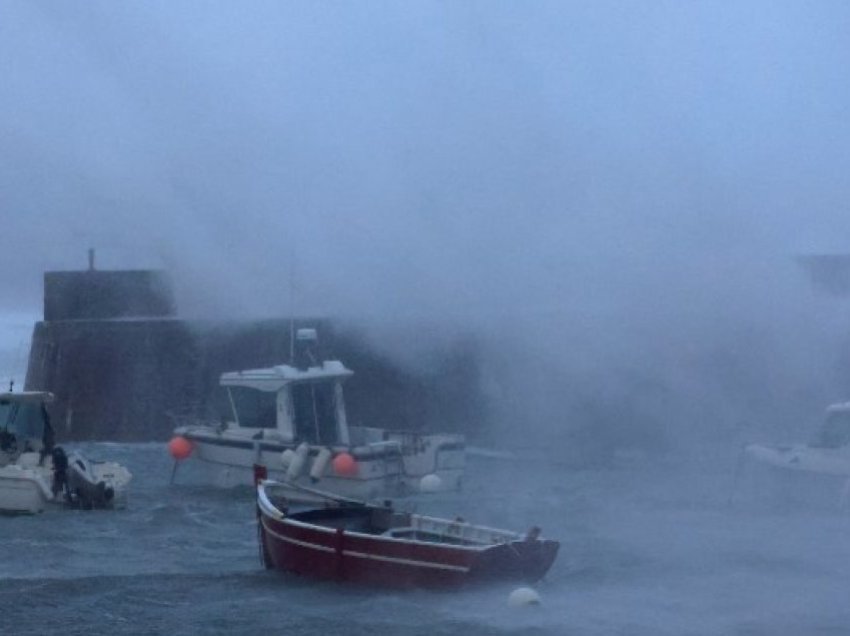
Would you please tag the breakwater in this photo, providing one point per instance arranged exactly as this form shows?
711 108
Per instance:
124 367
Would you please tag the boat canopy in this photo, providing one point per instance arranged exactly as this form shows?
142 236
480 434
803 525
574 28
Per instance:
276 378
302 404
24 422
28 397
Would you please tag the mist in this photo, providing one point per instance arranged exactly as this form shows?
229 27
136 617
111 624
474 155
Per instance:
608 196
601 202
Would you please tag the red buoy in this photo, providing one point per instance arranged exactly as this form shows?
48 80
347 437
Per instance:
345 465
180 447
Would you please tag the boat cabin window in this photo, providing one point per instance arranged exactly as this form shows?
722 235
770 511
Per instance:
25 420
254 408
835 431
314 412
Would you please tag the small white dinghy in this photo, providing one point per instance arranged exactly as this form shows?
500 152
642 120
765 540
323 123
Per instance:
36 474
827 453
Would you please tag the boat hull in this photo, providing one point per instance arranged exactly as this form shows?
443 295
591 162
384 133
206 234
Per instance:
338 555
26 487
22 492
825 461
381 472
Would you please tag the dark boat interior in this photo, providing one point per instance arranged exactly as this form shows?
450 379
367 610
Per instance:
373 520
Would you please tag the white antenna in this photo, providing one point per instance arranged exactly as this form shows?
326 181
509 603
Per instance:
292 306
16 364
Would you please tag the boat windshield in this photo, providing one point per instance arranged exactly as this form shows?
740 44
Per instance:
254 408
835 431
314 411
23 419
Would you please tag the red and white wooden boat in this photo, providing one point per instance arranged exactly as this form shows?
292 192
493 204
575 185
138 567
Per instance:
346 540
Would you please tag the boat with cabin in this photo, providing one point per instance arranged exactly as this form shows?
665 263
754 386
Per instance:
36 474
292 419
354 541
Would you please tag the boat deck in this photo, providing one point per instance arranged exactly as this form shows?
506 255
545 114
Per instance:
387 522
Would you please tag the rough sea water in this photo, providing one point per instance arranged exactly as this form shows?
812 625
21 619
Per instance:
648 547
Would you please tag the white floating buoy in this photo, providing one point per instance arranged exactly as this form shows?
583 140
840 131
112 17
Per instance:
523 596
430 483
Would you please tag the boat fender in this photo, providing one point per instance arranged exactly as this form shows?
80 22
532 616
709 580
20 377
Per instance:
286 458
345 465
180 447
430 483
296 466
320 464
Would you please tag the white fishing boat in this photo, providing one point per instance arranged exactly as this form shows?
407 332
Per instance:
292 419
827 453
36 474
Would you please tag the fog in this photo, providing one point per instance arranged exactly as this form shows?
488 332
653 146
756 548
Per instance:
608 195
603 201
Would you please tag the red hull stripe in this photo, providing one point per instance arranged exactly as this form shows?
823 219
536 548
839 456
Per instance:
303 544
419 564
363 555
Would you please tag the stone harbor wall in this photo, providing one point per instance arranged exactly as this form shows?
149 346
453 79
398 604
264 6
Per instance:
96 294
125 377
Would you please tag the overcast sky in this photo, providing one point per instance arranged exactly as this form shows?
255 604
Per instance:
592 167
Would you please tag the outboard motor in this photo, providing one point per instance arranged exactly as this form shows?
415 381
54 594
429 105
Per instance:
87 491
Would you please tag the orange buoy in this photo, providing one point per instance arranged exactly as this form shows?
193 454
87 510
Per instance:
180 447
345 465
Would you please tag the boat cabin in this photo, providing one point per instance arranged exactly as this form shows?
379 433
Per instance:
25 423
834 431
301 404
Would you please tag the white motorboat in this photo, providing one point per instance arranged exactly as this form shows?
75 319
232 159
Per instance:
827 453
292 419
36 474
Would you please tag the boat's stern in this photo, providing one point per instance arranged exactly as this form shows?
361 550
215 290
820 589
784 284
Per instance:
114 476
23 490
528 560
431 463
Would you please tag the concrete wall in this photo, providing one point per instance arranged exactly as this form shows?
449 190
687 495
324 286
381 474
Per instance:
132 380
123 367
96 294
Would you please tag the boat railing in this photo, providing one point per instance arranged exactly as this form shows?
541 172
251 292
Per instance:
462 530
189 417
362 435
390 444
265 503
